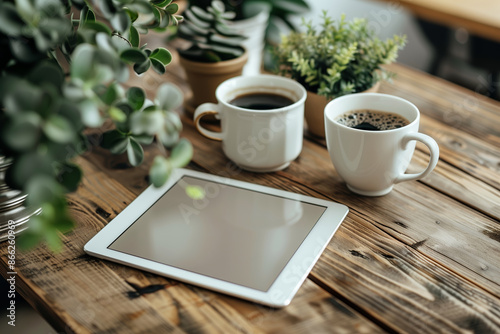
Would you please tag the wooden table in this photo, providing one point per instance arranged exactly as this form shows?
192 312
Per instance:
423 259
479 17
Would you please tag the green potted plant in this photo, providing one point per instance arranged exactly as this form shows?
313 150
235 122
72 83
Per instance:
215 52
262 22
63 67
336 59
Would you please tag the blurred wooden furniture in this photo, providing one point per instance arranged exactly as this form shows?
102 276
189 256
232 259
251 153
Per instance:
423 259
479 17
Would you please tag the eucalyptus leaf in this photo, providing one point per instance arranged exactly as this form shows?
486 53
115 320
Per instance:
82 62
169 96
69 176
29 165
160 171
117 115
58 129
181 154
90 113
46 72
23 131
42 189
146 122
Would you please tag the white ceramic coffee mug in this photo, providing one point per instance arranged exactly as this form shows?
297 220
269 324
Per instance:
257 140
371 162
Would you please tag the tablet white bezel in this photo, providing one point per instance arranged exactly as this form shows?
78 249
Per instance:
284 286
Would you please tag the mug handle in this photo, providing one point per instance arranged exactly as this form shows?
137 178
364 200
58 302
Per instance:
434 156
204 110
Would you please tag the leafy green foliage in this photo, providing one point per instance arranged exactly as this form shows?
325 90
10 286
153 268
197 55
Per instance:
61 72
339 58
281 12
211 38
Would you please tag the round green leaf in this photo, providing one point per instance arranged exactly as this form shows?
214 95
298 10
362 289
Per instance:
136 56
82 62
163 55
136 97
146 122
169 96
121 21
134 37
43 189
135 153
181 154
172 8
97 26
23 131
158 66
117 115
27 166
58 129
90 113
160 171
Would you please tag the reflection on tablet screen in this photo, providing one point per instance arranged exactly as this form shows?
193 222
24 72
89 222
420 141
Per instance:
232 234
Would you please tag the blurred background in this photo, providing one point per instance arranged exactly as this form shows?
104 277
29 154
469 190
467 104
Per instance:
446 50
439 47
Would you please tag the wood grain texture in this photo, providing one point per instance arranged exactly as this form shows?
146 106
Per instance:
423 259
478 17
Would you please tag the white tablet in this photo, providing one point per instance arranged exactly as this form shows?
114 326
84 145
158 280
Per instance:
242 239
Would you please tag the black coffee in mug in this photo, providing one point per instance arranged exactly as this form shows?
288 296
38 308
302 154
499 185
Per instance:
261 101
372 120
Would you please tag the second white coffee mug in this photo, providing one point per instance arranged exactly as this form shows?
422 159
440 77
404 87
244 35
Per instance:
371 162
257 140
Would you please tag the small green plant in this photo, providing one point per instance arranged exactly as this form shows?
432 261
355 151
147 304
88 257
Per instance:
211 38
63 66
339 58
280 12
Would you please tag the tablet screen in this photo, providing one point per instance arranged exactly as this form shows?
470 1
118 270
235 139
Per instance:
233 234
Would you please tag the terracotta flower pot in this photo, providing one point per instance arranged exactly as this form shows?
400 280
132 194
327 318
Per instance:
204 78
315 108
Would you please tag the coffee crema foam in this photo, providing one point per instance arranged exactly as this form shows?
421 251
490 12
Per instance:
372 120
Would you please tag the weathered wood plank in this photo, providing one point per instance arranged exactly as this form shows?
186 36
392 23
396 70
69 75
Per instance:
458 237
427 228
394 282
470 154
89 295
459 107
180 303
